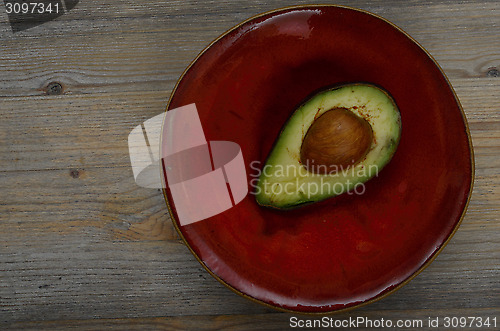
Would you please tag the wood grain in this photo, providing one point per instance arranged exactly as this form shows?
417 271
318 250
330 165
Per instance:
82 246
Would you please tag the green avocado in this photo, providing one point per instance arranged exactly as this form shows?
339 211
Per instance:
332 144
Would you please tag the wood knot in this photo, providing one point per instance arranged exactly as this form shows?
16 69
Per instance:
493 72
74 173
54 88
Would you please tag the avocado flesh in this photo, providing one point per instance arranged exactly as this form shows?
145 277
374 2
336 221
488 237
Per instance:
285 183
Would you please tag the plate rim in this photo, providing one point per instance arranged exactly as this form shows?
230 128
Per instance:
424 265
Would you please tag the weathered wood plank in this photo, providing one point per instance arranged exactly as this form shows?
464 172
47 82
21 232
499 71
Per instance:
63 132
275 321
87 131
131 46
85 275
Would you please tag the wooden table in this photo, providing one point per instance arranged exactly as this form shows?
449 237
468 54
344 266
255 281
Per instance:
82 246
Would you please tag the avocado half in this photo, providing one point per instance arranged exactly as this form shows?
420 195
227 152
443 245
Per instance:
357 122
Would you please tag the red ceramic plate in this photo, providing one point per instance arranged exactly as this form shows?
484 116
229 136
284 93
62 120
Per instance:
352 249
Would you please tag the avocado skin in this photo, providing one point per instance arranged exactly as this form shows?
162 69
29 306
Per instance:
284 183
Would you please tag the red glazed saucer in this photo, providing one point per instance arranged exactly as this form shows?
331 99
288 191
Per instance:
349 250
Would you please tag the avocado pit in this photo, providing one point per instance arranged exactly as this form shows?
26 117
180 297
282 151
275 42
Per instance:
335 140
